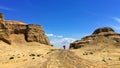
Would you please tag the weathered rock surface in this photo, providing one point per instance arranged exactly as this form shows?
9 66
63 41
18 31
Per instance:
106 32
32 33
35 33
1 17
4 33
15 27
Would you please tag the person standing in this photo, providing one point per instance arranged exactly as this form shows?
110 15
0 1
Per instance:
64 47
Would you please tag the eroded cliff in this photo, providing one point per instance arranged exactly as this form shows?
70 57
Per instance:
31 32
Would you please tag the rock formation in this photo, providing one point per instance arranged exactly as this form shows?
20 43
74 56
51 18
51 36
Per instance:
103 34
32 33
35 33
1 17
4 33
15 27
104 30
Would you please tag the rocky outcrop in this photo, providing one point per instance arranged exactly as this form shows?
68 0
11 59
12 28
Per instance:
15 27
100 33
4 33
35 33
32 33
1 17
104 30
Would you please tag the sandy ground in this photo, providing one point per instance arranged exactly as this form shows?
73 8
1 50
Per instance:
43 56
109 56
18 56
67 59
35 55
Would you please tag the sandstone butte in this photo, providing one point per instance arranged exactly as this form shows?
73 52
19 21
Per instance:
31 32
100 35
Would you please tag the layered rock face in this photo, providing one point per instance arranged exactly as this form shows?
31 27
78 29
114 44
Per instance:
15 27
104 30
32 33
100 33
4 33
35 33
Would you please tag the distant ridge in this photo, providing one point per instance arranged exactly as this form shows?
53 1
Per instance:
104 34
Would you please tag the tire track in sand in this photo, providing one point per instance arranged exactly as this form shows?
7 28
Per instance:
67 59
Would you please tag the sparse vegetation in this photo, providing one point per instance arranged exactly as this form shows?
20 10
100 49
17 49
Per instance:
33 58
88 53
52 45
11 58
91 53
85 53
32 55
52 49
38 55
103 60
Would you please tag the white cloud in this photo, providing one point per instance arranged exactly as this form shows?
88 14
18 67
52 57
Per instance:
5 8
62 40
59 36
67 40
116 19
116 27
59 40
52 35
49 35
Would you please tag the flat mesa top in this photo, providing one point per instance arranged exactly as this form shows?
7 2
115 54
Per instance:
14 22
104 29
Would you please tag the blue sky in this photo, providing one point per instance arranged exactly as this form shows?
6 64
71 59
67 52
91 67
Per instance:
64 20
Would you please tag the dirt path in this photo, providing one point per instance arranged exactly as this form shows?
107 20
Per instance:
67 59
